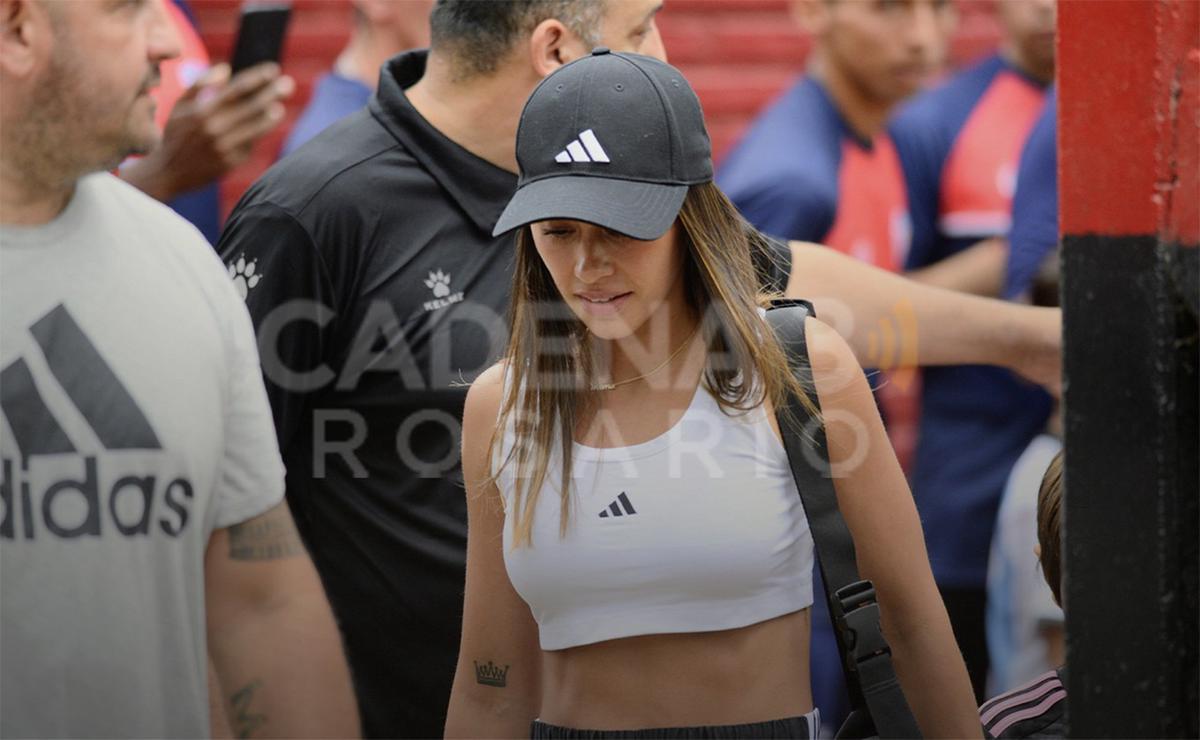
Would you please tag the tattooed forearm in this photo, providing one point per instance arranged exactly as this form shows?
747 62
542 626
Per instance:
245 721
270 536
491 674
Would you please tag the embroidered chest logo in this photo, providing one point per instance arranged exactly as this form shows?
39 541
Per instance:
245 275
439 283
584 149
620 507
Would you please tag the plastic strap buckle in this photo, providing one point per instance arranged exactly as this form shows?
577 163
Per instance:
859 622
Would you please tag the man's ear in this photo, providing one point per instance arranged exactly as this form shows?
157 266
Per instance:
811 15
23 27
551 45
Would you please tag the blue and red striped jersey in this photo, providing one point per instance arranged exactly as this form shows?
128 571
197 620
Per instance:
802 173
959 144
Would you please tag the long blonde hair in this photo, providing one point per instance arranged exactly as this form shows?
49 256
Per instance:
721 287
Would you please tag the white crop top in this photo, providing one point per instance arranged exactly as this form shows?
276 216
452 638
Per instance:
698 529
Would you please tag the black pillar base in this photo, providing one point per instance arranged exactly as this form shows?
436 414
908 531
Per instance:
1132 518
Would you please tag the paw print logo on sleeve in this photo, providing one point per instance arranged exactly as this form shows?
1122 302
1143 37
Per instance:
245 275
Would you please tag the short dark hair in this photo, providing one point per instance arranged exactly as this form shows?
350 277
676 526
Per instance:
479 33
1049 524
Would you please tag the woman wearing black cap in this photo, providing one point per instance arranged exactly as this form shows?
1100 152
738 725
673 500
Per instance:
639 563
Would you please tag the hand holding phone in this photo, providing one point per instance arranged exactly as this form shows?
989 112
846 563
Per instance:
260 34
212 128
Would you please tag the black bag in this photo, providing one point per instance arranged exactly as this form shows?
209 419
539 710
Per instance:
878 706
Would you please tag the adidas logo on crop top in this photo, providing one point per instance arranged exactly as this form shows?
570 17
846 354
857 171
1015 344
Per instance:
659 538
620 507
616 140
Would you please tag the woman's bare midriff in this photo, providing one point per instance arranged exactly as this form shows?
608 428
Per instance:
751 674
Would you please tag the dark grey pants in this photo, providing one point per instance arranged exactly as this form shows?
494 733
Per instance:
802 727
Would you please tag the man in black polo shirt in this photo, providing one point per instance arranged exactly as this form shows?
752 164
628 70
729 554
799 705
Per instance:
367 261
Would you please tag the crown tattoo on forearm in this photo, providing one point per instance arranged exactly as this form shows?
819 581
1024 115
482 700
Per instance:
491 674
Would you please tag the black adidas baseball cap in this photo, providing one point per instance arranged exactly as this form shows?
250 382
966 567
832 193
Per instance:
611 139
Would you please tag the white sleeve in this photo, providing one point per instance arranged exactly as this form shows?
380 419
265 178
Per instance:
250 480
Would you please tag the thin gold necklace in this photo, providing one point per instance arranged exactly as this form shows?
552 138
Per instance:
610 386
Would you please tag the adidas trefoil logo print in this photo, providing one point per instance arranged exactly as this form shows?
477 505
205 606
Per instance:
620 507
584 149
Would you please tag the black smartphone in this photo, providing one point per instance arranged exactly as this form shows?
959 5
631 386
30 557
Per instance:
260 34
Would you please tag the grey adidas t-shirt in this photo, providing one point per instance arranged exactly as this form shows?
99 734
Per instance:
134 424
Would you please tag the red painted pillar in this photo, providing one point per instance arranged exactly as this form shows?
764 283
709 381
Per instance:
1129 203
1127 105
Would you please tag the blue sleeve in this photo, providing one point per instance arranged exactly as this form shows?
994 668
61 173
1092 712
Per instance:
201 207
922 148
1034 232
333 99
783 175
312 121
783 205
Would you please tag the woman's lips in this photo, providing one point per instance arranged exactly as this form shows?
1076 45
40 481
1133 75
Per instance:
602 304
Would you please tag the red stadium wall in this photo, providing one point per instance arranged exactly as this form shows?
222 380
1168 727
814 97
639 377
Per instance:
737 53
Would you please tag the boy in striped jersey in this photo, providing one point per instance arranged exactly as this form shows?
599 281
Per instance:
1037 709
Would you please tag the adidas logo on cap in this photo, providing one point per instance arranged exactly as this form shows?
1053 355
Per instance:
641 143
584 149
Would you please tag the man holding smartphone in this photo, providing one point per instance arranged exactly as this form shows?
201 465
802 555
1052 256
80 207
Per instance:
211 118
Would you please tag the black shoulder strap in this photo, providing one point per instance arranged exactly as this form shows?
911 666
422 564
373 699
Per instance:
866 657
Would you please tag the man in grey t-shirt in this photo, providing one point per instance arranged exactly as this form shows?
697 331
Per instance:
141 526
